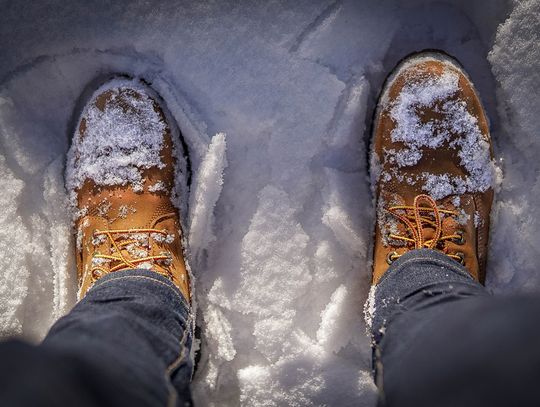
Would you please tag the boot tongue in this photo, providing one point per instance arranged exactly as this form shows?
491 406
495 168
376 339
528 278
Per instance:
448 223
134 247
429 233
428 230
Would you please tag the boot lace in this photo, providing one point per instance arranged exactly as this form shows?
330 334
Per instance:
421 216
125 240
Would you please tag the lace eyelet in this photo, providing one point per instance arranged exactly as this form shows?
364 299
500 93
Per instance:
461 257
96 274
461 240
391 257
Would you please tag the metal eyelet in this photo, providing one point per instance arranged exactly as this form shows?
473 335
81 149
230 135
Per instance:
461 240
96 274
391 257
461 257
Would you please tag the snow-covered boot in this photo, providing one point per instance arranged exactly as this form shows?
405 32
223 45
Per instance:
431 164
122 175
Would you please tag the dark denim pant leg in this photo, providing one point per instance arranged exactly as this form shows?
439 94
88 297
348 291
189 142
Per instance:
127 342
442 340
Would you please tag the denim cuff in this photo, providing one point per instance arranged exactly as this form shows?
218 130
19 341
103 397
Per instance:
441 266
142 279
425 271
137 324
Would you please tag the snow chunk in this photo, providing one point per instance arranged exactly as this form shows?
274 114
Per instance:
162 238
369 309
205 193
118 142
326 334
219 329
440 186
424 93
158 187
14 239
456 128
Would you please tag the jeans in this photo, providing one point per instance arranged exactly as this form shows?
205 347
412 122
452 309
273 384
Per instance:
128 342
440 339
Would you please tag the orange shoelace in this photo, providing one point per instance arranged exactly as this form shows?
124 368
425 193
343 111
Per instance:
417 218
124 262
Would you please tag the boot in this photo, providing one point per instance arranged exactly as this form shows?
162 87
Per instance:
431 165
122 177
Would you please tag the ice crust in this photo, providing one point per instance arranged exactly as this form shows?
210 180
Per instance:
280 214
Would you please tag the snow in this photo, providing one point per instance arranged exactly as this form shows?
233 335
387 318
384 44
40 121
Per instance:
458 130
370 309
280 215
417 95
118 142
158 186
515 58
205 193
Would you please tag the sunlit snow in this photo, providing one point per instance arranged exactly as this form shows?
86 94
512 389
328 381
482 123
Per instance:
280 216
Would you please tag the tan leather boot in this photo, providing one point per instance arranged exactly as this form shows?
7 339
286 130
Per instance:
431 165
121 173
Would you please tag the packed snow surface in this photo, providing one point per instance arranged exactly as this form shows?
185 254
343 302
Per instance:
280 212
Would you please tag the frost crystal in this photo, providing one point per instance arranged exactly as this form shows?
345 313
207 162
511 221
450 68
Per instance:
103 209
98 261
79 213
158 186
145 265
160 238
478 221
124 211
79 238
369 308
136 251
99 239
